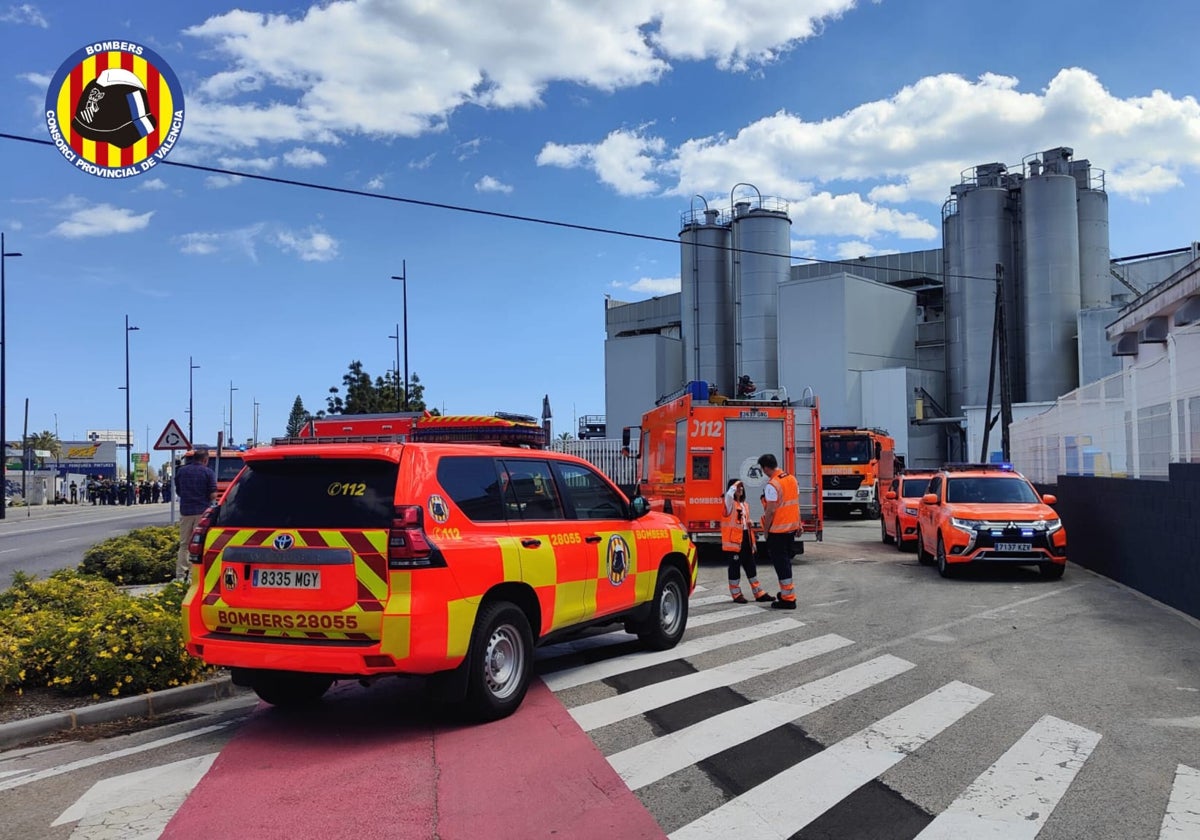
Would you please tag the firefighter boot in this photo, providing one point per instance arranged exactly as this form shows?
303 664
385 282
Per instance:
735 592
787 596
761 595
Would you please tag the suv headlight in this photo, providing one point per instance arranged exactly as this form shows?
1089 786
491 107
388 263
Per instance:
911 511
968 525
1047 525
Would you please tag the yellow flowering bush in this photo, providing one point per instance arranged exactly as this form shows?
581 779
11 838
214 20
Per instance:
143 556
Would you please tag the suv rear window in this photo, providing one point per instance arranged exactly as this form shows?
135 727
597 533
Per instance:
312 493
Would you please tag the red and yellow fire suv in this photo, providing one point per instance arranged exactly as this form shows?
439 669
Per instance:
332 558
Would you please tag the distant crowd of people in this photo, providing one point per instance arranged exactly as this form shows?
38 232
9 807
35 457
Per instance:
106 491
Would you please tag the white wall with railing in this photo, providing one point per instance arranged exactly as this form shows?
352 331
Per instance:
603 453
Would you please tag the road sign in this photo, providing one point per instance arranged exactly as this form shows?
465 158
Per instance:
172 437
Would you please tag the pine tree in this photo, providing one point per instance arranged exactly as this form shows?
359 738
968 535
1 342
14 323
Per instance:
297 418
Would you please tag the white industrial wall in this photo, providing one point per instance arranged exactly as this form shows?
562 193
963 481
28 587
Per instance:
976 415
833 328
885 403
638 370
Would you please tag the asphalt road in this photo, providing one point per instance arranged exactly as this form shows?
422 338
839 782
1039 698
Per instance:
41 540
892 704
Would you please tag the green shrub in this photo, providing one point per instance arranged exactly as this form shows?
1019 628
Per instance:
143 556
82 635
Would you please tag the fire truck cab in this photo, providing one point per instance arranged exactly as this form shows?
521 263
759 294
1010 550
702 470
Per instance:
855 463
689 448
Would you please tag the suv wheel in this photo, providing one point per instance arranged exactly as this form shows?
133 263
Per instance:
923 556
290 688
500 662
944 568
883 534
668 614
1051 571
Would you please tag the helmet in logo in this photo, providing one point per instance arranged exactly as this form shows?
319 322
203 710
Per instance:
438 509
113 108
284 541
230 577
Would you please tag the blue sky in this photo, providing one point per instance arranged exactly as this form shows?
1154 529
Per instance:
614 115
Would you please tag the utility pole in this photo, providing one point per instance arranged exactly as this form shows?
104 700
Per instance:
403 278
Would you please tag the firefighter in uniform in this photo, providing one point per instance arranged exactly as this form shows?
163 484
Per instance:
781 520
738 542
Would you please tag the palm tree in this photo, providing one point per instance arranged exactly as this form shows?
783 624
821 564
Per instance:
47 441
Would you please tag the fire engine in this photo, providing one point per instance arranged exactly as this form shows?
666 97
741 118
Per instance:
855 463
690 447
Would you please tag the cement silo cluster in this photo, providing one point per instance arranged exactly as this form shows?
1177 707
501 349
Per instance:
732 262
1044 232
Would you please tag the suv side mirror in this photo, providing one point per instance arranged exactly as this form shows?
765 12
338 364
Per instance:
640 506
1049 499
891 494
929 499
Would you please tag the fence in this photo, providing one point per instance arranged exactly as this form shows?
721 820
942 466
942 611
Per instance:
605 454
1132 424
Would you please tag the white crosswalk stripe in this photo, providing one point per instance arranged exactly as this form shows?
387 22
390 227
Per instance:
706 600
1182 820
570 677
657 759
785 803
1014 797
735 611
612 709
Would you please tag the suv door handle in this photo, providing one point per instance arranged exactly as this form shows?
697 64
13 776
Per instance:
594 538
530 542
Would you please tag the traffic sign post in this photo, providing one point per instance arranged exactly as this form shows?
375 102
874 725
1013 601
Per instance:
173 439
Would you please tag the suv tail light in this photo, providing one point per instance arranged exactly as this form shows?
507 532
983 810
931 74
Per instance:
408 546
196 543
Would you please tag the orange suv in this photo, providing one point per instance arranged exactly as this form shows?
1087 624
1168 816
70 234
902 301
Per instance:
898 512
348 560
988 513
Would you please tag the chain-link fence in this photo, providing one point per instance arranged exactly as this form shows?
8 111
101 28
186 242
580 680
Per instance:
1129 425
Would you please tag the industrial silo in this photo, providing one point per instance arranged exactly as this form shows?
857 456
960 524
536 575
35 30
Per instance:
706 300
761 261
952 300
1051 287
986 229
1095 282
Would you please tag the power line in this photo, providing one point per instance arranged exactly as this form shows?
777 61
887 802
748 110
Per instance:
513 217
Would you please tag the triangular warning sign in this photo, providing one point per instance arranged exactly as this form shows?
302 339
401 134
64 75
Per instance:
172 437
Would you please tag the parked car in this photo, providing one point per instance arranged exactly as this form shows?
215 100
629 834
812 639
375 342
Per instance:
901 502
989 513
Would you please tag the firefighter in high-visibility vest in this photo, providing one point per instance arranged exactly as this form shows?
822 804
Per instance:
738 541
781 520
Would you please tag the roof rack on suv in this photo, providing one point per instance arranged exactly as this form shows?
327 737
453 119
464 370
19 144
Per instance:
309 441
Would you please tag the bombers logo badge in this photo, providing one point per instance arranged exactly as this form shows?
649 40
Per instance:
618 559
438 509
230 577
114 109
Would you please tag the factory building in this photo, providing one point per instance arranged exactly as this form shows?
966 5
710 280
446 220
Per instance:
906 341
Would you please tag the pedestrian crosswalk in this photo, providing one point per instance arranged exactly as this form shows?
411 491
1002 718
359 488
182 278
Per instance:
1012 799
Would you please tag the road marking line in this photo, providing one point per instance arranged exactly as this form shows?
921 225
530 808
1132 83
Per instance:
1014 797
830 603
785 803
612 709
570 677
1182 820
138 787
708 599
51 772
736 611
659 758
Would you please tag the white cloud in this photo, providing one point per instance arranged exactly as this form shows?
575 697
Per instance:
468 149
257 164
853 249
151 184
303 157
402 68
100 220
654 285
624 160
24 13
199 243
311 245
224 243
423 163
375 183
489 184
220 182
40 80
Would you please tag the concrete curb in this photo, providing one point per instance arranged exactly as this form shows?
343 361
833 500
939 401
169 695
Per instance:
149 705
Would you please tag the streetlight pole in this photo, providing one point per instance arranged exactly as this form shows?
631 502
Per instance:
191 407
403 278
254 438
128 432
397 337
4 254
231 390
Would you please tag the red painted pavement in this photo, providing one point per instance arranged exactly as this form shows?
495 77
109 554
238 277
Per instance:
378 762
